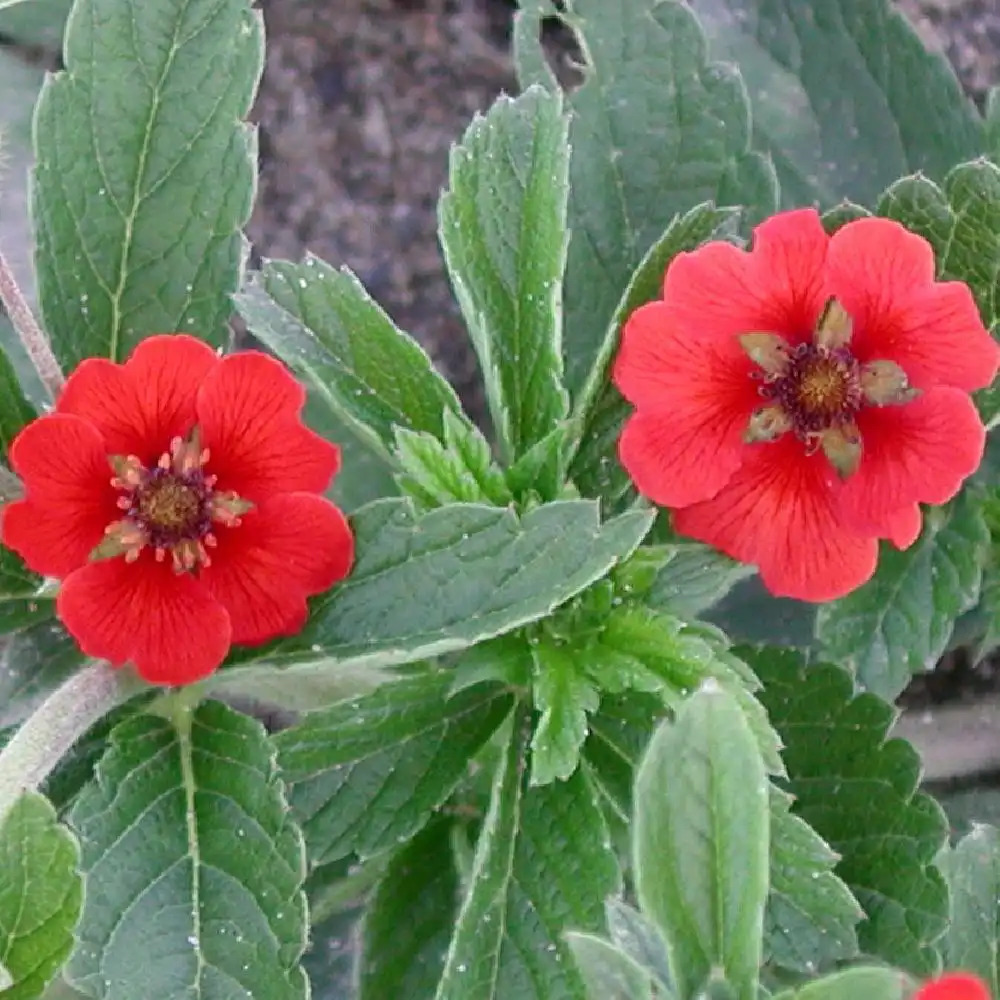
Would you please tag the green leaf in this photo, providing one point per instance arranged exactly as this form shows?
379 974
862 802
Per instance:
15 410
543 865
186 831
655 130
610 974
750 613
144 173
694 578
366 774
36 22
895 108
899 623
961 221
639 938
323 324
33 662
502 225
701 842
409 921
972 871
600 410
20 602
458 468
811 915
443 581
565 696
870 983
858 791
41 894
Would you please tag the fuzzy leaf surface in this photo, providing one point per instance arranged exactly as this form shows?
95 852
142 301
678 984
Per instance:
145 173
858 791
41 895
502 225
367 773
186 830
445 580
899 623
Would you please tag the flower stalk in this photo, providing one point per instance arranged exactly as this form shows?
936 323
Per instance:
48 734
29 332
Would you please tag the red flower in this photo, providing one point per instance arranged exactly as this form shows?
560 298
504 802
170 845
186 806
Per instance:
795 403
177 497
953 986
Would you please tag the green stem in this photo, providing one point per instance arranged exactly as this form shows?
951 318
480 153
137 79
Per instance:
48 733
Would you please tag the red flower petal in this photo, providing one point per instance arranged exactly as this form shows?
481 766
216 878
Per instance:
953 986
938 338
695 397
920 452
249 414
290 547
902 528
69 497
167 624
141 405
883 275
718 290
778 512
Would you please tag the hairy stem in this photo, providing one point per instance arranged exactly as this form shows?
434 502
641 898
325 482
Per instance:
45 736
29 332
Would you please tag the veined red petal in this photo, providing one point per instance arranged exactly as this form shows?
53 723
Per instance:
290 547
695 398
920 452
953 986
69 499
778 287
778 512
903 527
168 624
141 405
249 414
937 337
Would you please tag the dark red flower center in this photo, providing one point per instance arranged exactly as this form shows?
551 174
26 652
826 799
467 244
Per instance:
816 390
172 507
821 388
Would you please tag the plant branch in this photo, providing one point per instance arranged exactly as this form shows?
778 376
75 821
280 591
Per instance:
51 730
29 332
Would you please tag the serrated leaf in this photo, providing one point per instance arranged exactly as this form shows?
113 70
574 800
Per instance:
144 173
896 109
323 324
639 938
41 894
565 696
366 774
656 129
858 791
409 920
425 585
508 939
811 915
609 973
186 832
600 410
700 841
899 623
457 468
972 871
961 221
502 226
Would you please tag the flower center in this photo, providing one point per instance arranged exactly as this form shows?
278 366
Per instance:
817 389
820 389
172 507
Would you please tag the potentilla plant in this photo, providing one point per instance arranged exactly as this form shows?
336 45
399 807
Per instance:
310 685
